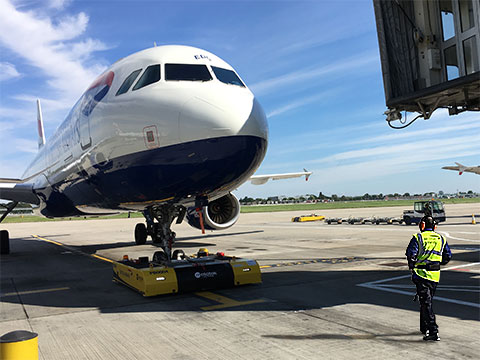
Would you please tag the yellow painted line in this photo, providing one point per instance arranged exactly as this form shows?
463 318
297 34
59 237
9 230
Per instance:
102 258
47 240
35 291
224 301
265 266
66 247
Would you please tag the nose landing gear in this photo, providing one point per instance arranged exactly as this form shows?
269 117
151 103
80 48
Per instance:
160 230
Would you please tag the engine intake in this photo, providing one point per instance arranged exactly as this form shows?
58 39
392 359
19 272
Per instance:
217 215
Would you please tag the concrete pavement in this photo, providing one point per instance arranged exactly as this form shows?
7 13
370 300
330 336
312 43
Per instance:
329 291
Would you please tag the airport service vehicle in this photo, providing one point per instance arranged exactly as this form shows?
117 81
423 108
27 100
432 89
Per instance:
306 218
185 273
169 131
419 207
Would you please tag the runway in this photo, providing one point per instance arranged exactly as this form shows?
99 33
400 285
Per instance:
328 291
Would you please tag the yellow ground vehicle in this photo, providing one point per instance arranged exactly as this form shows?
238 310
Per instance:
150 278
304 218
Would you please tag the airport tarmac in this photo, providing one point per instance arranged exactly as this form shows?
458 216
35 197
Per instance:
328 292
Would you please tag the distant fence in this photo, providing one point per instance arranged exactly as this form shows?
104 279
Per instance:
18 211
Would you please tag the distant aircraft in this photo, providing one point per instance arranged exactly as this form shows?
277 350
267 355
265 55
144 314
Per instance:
169 131
462 168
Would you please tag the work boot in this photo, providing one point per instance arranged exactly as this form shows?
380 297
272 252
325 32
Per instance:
431 336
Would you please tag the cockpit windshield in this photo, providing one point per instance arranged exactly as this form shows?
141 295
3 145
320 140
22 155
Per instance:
227 76
187 72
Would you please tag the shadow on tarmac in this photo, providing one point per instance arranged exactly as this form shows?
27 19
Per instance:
48 277
327 336
215 235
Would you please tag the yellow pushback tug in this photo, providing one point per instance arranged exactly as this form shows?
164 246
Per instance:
185 273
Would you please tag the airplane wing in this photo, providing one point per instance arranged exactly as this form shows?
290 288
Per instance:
16 190
262 179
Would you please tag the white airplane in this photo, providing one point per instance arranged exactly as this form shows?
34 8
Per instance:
169 131
462 168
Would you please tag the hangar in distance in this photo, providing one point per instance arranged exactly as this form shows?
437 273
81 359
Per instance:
169 131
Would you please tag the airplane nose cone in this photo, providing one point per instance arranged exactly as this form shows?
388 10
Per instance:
225 115
233 131
256 124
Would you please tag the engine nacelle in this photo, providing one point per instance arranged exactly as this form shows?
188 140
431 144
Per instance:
219 214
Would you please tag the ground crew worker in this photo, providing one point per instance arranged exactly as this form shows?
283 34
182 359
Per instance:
425 253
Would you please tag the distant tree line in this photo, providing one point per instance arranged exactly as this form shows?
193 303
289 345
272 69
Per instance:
334 197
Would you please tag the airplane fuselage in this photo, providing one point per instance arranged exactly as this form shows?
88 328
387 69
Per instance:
193 130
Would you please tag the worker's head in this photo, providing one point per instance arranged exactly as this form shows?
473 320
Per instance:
202 252
427 223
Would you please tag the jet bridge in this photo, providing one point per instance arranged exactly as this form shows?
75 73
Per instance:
430 51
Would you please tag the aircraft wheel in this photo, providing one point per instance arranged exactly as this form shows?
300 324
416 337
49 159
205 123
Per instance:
178 255
140 234
159 257
4 242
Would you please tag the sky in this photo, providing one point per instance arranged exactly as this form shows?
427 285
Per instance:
313 65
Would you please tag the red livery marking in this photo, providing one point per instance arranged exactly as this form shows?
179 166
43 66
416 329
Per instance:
39 125
105 79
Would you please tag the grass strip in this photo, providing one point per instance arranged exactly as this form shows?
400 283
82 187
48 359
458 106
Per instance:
408 204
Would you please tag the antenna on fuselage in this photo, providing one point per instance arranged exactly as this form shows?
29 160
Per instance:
41 132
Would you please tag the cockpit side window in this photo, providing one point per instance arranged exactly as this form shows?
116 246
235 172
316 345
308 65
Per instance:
187 72
227 76
150 76
128 82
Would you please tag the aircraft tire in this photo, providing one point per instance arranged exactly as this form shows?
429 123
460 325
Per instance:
4 242
140 234
178 255
159 257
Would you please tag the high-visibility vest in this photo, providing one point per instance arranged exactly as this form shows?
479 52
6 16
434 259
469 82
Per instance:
430 249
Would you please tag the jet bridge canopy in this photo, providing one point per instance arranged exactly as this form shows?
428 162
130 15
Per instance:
430 51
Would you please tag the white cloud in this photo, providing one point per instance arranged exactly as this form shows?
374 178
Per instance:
390 158
45 44
26 145
53 42
359 61
58 4
470 122
8 71
421 147
302 102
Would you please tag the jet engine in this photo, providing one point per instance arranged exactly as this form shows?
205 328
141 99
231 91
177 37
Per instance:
217 215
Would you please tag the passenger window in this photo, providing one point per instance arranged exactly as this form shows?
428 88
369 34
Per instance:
150 76
184 72
227 76
128 82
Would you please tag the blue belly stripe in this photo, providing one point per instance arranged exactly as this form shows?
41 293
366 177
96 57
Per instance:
201 167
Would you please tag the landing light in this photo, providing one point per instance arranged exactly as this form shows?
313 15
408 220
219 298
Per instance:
161 278
246 269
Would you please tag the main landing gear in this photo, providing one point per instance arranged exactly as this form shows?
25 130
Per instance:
4 236
159 220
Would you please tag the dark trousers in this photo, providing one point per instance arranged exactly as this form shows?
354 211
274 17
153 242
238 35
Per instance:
426 291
